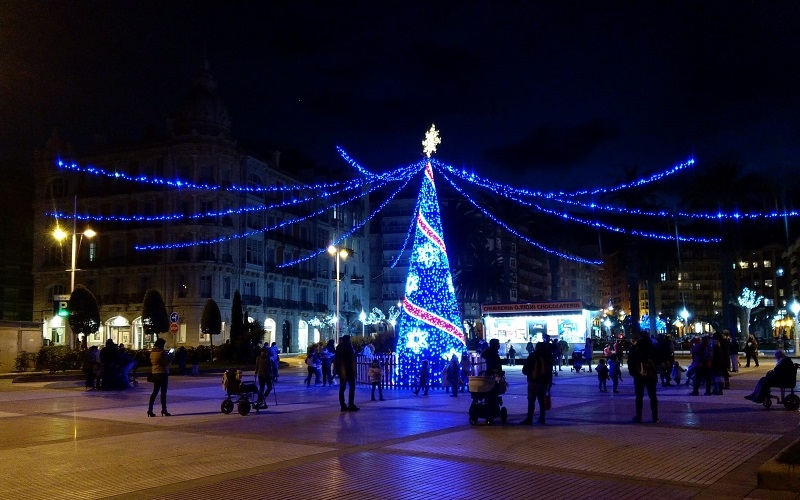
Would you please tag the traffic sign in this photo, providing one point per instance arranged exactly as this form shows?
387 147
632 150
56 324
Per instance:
173 328
173 317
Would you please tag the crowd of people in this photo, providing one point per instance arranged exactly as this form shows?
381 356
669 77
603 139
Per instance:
108 368
650 361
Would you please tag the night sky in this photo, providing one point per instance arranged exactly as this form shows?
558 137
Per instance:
552 94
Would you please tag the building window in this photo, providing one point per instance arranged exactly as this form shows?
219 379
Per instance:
768 283
663 276
182 287
755 265
227 287
744 265
769 302
756 284
779 272
255 252
767 263
205 286
55 290
92 251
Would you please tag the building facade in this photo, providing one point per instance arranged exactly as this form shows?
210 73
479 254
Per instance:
242 219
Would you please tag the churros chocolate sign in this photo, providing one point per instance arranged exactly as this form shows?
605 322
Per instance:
533 307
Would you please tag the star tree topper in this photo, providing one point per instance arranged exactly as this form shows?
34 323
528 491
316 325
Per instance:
432 139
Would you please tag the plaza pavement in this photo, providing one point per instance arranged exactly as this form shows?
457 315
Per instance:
59 442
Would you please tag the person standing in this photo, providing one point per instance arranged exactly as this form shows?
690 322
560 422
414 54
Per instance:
614 373
160 360
733 351
89 366
492 357
109 357
539 373
563 346
422 381
345 364
375 374
587 352
512 355
276 359
642 367
529 347
453 372
327 359
264 375
602 374
466 371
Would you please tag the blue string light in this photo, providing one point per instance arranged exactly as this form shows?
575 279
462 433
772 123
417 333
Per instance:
484 182
355 228
396 174
516 233
257 231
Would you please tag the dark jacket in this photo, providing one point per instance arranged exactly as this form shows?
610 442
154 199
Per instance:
345 360
538 367
492 357
641 361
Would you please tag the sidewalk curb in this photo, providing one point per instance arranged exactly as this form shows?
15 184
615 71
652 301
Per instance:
774 475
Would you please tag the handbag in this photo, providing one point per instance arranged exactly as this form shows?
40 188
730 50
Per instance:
150 377
547 402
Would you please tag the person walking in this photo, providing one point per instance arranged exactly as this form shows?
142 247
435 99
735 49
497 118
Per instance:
375 374
751 351
313 363
539 373
160 360
345 364
642 367
264 375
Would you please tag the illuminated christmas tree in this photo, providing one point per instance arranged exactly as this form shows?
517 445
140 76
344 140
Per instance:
430 325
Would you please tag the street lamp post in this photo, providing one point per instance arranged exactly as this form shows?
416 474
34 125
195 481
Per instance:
795 308
60 235
339 253
685 315
363 318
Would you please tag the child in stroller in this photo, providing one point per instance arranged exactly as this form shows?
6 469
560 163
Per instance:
487 402
577 359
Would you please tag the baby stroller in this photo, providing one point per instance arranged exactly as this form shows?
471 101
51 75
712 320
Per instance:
487 401
577 359
245 393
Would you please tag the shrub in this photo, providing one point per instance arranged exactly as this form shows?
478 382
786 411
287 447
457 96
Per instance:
24 361
58 358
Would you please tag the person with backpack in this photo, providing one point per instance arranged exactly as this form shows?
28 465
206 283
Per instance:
539 372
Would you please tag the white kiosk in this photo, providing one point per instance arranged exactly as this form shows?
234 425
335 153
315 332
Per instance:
521 322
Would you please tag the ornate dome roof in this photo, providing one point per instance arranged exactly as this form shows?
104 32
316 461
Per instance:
203 112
